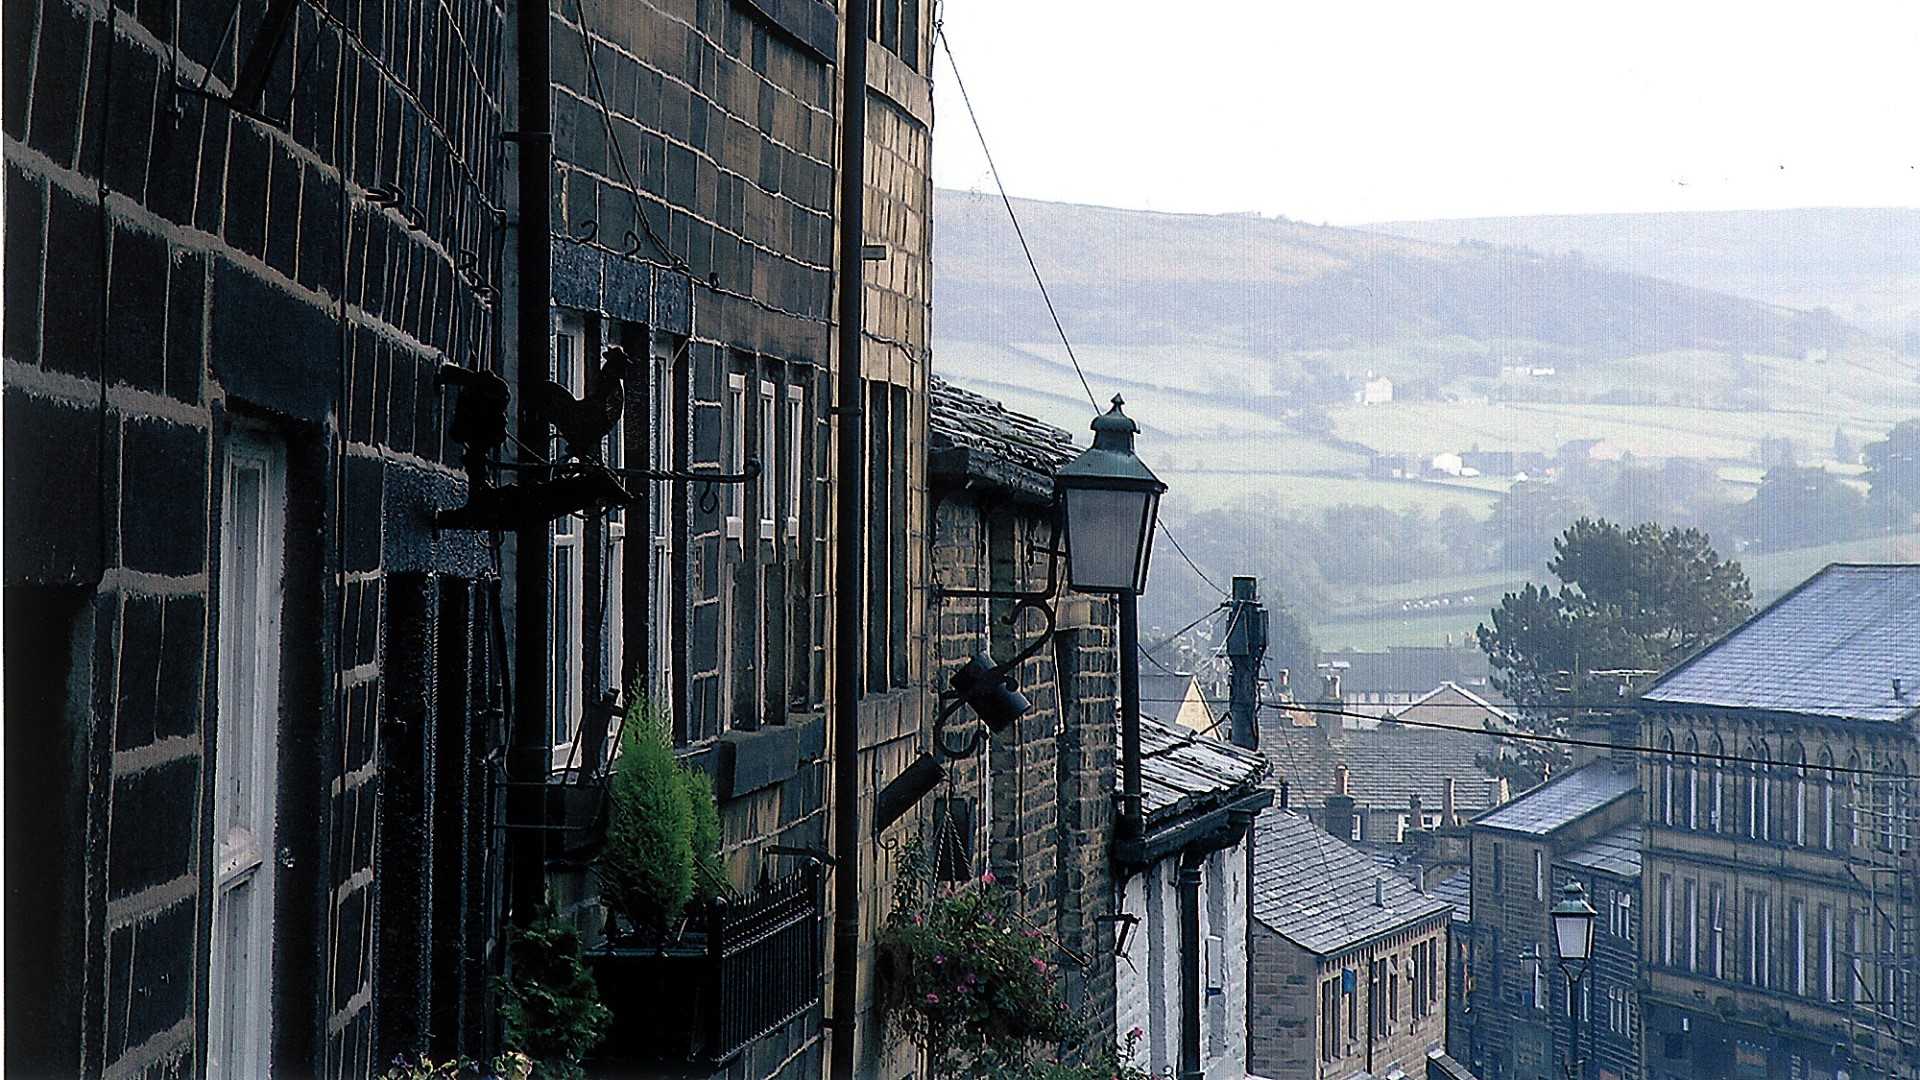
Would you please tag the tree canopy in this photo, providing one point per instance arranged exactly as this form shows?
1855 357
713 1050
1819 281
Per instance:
1893 467
1630 600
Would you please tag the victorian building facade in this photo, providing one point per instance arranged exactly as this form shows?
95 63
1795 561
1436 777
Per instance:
1779 867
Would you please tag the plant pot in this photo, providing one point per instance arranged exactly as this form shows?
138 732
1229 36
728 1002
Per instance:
661 998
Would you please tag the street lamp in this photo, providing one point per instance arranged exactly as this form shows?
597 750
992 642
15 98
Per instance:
1573 933
1109 501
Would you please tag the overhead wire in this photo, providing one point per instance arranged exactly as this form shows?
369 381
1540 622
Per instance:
1184 557
960 84
1333 709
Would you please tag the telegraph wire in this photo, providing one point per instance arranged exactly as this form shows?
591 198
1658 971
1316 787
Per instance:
1175 541
1333 709
941 33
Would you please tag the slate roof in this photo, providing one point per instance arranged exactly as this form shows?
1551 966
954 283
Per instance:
1562 800
1180 770
1616 853
1831 647
1385 764
1318 892
969 434
1456 890
1453 705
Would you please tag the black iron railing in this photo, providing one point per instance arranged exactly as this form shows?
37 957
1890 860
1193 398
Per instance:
766 962
705 1001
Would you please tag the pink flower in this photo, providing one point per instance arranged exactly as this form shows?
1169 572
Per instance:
933 999
1039 963
939 959
1135 1033
988 878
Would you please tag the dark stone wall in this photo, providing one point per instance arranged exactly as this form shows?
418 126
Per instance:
1038 796
178 267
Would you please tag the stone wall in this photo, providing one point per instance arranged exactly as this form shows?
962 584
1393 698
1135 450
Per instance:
183 276
1148 980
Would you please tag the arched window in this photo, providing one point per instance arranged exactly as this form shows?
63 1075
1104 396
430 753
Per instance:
1690 785
1758 808
1854 791
1829 783
1798 756
1666 779
1717 811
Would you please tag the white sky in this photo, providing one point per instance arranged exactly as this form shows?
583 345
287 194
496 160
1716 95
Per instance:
1350 111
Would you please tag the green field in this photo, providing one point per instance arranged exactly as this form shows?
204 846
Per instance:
1771 575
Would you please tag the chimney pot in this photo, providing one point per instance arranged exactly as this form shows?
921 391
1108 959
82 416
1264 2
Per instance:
1340 780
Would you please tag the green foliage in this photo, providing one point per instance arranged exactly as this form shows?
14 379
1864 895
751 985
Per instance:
967 982
508 1066
663 834
1800 507
1893 468
548 1000
1639 599
709 880
646 869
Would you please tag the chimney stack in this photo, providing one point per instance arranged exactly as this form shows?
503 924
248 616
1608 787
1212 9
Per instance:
1448 818
1338 818
1624 733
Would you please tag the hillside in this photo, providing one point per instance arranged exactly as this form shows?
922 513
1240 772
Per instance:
1298 386
1864 265
1274 286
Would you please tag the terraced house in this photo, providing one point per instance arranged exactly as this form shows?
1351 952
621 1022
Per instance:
392 393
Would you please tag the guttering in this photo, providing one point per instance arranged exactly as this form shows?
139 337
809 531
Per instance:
1211 830
528 756
849 576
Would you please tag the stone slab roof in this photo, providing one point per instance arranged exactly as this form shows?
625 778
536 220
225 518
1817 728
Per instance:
1385 764
1563 799
1180 769
1324 894
1616 853
971 435
1832 647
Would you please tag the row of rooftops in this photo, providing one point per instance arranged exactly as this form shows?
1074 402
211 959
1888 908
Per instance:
1845 644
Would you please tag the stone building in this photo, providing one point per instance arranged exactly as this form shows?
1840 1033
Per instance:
1512 969
1608 869
1348 960
1363 783
240 244
1779 872
274 700
1031 803
1185 887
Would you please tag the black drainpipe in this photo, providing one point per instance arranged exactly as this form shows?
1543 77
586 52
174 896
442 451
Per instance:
1190 861
527 758
850 542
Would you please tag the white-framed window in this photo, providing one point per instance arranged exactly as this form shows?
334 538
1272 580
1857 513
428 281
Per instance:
796 456
769 482
1623 914
1716 931
661 446
736 433
1690 915
566 565
245 750
1540 876
1539 976
1829 960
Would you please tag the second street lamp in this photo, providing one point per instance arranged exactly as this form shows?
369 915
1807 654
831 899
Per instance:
1109 502
1573 921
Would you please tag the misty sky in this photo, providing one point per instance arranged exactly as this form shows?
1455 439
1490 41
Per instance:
1350 111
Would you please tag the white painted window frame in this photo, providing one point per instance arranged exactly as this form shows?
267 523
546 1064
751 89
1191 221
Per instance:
736 434
246 748
566 566
769 480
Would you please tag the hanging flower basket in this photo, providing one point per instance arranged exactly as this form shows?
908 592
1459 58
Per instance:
962 977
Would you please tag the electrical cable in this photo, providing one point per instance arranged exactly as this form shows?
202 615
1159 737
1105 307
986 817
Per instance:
1175 541
1332 709
941 33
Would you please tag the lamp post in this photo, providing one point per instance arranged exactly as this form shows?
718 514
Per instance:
1573 935
1109 501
